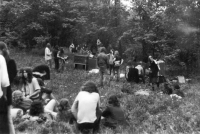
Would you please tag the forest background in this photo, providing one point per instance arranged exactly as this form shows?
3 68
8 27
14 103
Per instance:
145 27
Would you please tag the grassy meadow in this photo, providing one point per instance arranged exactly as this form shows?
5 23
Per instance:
153 114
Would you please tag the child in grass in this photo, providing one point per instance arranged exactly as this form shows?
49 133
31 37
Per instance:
113 113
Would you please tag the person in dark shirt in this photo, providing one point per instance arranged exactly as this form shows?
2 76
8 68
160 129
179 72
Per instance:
153 75
113 113
102 62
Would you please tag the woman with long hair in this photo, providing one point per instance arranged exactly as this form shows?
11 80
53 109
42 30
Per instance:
86 107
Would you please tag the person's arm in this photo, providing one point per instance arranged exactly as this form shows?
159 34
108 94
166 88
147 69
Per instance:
122 61
106 112
12 70
74 107
4 75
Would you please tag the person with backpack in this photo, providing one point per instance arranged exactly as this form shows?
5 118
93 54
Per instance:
102 62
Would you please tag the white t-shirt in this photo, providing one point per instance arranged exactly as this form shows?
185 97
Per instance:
4 80
87 104
47 54
30 87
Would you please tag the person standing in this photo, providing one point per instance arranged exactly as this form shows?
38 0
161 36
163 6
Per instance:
102 62
111 61
117 63
12 72
48 53
4 81
56 59
154 69
61 57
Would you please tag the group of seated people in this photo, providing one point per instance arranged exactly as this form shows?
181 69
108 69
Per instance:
34 102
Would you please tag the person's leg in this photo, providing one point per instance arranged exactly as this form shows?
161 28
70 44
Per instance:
117 74
50 106
101 77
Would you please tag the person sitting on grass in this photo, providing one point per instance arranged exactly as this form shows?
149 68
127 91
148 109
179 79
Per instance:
64 112
113 114
177 90
29 84
86 108
40 113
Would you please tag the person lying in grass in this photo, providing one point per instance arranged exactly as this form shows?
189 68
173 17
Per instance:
113 114
86 108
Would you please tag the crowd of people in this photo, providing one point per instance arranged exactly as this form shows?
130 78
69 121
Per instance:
35 102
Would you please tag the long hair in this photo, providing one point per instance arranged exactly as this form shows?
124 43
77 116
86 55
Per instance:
4 49
90 87
29 74
113 100
36 108
63 105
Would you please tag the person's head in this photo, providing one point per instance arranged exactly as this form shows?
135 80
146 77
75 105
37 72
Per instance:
102 50
36 108
116 53
48 45
62 50
63 105
17 97
90 87
112 51
113 100
4 50
176 86
26 74
151 58
56 47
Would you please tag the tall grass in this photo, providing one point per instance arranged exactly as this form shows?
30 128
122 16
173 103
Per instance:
153 114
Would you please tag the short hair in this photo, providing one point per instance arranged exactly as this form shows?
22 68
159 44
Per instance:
36 108
64 104
113 100
90 87
48 44
116 52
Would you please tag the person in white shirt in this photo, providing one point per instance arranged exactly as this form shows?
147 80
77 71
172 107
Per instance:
48 54
86 107
4 81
